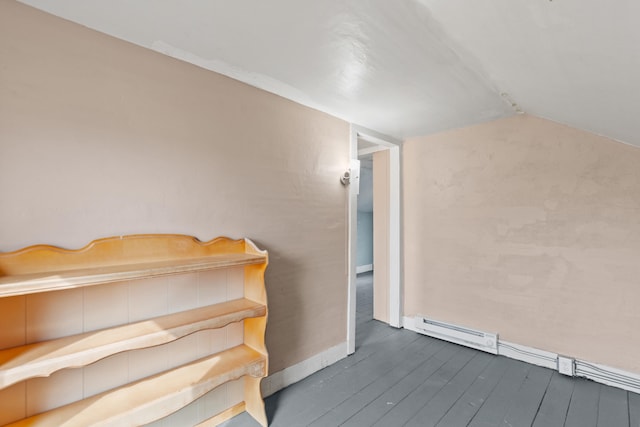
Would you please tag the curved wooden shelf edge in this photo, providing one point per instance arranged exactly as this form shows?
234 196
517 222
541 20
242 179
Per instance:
111 250
50 281
44 358
252 248
105 240
154 397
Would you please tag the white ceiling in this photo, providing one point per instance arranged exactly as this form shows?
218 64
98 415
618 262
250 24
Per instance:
404 68
572 61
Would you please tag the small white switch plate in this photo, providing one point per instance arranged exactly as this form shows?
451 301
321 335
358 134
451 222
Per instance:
566 366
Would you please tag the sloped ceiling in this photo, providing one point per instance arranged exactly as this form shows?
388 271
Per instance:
573 61
404 68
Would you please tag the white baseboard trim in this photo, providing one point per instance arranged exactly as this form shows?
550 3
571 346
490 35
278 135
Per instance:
608 375
535 356
409 323
281 379
599 373
364 268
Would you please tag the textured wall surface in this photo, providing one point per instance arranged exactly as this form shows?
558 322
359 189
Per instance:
381 235
530 229
99 137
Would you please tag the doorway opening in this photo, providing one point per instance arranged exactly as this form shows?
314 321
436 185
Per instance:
374 236
365 248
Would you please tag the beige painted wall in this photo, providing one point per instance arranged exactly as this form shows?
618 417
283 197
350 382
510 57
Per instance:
99 137
381 197
530 229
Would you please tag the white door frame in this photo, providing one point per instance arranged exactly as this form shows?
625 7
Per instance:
382 142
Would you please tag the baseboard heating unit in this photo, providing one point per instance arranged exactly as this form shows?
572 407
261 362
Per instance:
458 334
490 343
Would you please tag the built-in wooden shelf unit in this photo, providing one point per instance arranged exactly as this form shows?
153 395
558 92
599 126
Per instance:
42 269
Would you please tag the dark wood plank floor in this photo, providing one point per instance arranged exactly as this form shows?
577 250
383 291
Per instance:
400 378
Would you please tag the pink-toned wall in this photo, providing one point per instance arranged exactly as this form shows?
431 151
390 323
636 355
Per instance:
530 229
381 197
99 137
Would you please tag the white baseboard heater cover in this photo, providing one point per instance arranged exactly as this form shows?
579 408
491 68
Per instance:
479 340
490 343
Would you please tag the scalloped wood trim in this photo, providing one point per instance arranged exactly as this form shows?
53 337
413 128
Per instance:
44 358
119 250
43 268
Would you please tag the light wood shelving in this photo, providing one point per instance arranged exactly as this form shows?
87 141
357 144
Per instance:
43 358
24 284
39 269
157 396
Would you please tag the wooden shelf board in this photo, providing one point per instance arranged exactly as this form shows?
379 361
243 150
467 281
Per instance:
50 281
155 397
44 358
